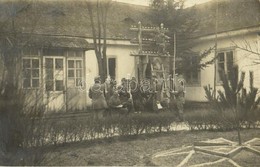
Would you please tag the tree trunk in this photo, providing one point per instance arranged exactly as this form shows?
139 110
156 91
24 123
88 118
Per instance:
238 135
99 33
100 67
104 66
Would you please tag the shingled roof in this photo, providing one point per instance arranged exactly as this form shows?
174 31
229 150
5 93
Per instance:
53 41
69 18
232 15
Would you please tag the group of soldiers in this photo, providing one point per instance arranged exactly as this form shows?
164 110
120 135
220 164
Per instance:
132 96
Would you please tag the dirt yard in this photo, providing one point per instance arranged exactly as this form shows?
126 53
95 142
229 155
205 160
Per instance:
132 150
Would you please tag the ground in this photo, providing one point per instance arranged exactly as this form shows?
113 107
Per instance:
213 152
133 150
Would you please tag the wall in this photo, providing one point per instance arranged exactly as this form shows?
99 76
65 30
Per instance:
125 64
244 59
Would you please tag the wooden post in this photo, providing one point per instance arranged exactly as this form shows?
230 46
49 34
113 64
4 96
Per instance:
139 60
142 59
216 54
174 61
140 37
238 123
174 53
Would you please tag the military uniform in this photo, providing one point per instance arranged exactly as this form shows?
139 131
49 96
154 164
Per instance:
124 95
136 96
96 93
179 97
114 105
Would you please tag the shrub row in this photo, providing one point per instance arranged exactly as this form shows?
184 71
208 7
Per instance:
226 120
73 129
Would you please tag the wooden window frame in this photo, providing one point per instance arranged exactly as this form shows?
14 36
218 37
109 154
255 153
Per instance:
31 71
75 70
225 61
54 68
192 81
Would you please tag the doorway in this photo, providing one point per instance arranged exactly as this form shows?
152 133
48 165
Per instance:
112 68
54 84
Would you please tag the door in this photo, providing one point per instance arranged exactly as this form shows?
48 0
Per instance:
54 84
112 67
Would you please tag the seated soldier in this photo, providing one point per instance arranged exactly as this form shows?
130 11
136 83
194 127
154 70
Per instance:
115 104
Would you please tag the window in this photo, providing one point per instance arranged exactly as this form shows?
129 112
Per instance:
54 74
31 72
193 75
75 72
225 63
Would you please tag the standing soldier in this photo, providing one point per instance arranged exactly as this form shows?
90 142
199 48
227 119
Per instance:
179 93
96 93
145 89
156 90
136 95
161 40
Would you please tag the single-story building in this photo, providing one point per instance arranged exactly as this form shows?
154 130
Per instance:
235 31
59 62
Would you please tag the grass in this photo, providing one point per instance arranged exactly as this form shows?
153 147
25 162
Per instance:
134 150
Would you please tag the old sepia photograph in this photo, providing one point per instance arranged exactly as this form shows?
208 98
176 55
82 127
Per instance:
130 83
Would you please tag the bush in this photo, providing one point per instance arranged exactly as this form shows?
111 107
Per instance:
209 119
235 108
80 128
18 128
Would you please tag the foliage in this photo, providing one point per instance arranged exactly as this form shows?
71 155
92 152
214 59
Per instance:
172 14
15 113
19 130
11 97
235 101
209 94
10 123
236 97
183 23
215 121
232 87
56 130
202 120
62 128
249 102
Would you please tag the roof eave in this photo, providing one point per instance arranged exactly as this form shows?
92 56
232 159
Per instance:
234 32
